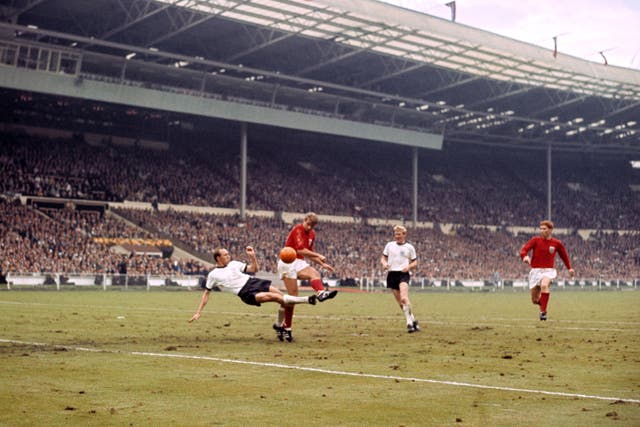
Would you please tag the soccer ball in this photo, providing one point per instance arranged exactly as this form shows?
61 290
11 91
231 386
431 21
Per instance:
288 254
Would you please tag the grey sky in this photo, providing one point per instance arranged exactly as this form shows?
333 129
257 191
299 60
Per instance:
583 27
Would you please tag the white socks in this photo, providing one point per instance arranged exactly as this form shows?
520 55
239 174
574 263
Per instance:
290 299
280 320
406 309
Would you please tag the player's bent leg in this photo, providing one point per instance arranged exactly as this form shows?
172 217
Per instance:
402 296
544 297
270 297
274 290
396 295
308 273
544 285
291 285
292 289
290 299
535 295
277 295
311 274
278 325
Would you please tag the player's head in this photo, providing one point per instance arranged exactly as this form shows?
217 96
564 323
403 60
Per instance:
546 227
310 221
399 233
547 224
221 257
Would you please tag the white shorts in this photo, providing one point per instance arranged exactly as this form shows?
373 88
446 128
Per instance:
290 271
536 275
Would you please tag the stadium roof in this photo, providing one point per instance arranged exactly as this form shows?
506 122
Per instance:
359 59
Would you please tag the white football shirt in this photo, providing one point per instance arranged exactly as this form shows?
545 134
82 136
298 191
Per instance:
399 256
231 278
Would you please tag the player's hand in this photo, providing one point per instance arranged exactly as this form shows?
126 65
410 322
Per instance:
526 260
327 266
194 317
572 272
250 250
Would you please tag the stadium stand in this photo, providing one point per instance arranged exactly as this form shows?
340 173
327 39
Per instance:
503 189
474 207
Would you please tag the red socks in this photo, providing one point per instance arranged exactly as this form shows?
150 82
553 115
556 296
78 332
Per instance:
317 285
288 316
544 299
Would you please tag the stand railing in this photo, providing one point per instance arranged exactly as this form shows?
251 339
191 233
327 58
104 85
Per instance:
59 281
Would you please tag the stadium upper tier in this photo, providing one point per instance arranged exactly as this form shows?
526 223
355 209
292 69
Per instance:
357 61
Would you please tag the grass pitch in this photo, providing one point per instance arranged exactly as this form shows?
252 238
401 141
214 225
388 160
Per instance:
481 359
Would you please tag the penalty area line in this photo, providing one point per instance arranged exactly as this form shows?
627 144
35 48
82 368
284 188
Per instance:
326 371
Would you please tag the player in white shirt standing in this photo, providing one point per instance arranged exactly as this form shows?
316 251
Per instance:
231 276
399 257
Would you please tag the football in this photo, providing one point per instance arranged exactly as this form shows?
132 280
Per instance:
288 254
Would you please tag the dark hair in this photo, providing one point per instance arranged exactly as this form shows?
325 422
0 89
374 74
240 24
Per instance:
216 253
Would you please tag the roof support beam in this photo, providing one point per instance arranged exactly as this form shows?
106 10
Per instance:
14 15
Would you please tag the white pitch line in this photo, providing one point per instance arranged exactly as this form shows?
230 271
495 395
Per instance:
328 371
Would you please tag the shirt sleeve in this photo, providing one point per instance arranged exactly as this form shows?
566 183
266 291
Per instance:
527 247
211 282
563 255
239 265
413 255
385 251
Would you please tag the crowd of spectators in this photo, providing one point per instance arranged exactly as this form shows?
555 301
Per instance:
74 169
373 181
464 253
36 240
361 181
61 240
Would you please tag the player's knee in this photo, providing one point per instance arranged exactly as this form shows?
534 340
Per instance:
313 274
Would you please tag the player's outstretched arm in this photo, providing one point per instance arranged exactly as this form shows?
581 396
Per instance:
327 266
203 302
384 260
253 265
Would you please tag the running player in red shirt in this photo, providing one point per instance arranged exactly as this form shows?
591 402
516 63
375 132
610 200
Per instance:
542 272
301 238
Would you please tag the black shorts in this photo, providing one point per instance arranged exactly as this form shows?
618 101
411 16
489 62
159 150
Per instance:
394 278
252 287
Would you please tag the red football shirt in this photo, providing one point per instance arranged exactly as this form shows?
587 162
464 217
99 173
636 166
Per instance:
299 238
544 252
